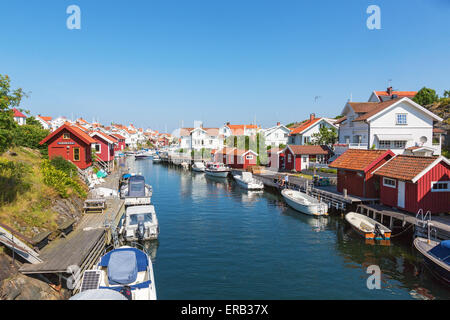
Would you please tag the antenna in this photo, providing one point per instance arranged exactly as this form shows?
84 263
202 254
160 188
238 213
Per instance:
389 83
317 98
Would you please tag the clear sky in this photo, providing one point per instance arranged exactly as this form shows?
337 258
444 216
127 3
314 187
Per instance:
156 63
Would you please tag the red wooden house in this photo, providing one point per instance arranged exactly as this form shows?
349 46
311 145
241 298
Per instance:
413 182
72 144
355 171
103 146
299 157
236 158
120 146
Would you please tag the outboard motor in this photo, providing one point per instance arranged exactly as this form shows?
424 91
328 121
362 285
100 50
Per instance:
378 232
140 231
126 291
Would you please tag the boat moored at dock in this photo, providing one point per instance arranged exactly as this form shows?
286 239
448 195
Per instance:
126 270
304 203
156 158
368 227
140 223
217 169
198 167
248 182
135 191
436 256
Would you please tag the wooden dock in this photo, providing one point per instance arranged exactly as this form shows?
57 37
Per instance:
83 246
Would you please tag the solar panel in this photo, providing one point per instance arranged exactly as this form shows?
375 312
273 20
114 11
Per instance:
91 280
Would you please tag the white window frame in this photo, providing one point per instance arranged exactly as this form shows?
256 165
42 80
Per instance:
389 185
99 148
289 159
440 190
402 122
384 144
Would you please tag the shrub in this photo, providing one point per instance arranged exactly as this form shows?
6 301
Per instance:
66 166
61 181
12 180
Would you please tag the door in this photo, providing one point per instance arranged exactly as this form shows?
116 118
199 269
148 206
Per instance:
305 162
401 194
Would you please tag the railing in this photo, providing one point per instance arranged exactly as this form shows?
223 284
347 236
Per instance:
358 145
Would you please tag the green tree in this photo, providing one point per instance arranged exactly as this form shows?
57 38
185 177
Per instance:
325 136
447 94
426 96
33 122
8 99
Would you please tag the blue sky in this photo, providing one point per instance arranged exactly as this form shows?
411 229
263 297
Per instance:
156 63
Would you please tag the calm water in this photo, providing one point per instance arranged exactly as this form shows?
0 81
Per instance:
218 241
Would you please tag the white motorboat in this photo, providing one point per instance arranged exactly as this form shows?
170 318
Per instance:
198 167
304 203
367 227
140 223
126 270
135 191
436 257
142 154
247 181
216 169
156 158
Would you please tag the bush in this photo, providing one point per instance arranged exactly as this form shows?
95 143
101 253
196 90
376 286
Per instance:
29 136
12 180
61 181
66 166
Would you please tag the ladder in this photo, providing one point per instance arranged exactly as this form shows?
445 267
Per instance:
423 224
113 230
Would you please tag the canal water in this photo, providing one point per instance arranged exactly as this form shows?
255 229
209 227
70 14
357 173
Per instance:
218 241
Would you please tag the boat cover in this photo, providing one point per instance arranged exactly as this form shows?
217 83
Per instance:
122 267
141 258
136 186
99 294
442 251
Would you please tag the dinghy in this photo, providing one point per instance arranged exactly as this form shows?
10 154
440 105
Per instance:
304 203
198 167
367 227
436 256
126 270
140 223
247 181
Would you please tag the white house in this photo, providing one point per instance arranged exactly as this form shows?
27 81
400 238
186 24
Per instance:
238 130
44 121
303 134
199 138
276 135
395 124
19 117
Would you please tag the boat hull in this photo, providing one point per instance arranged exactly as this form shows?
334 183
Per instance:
312 209
355 221
218 174
436 268
248 186
195 169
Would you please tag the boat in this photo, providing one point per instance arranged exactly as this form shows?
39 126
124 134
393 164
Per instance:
198 167
142 155
140 223
437 257
156 158
216 169
126 270
367 227
135 191
304 203
247 181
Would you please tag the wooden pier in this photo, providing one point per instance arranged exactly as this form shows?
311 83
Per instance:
81 248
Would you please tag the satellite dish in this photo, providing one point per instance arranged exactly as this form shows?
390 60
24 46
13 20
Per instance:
423 140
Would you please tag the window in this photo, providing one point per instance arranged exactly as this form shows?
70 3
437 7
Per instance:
401 119
289 158
357 139
440 186
98 148
66 135
249 157
389 182
306 140
350 121
76 154
399 144
347 139
384 144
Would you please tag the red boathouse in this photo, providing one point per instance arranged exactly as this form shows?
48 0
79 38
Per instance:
300 157
72 144
355 171
411 183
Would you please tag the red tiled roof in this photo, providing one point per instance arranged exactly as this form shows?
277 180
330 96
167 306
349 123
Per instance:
404 167
370 108
73 129
305 125
359 160
102 135
400 94
46 118
342 119
18 114
309 149
118 136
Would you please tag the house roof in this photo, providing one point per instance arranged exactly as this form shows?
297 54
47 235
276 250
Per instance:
75 130
360 160
406 167
342 119
305 125
18 114
103 136
239 129
400 94
118 136
308 149
46 119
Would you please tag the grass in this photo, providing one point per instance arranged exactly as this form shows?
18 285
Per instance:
306 176
31 208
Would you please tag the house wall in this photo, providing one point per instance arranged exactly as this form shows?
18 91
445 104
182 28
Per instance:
299 139
57 146
106 150
276 136
292 163
419 195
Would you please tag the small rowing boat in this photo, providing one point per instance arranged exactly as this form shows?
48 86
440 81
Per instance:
304 203
367 227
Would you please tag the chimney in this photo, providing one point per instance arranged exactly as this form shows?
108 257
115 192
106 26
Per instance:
278 123
228 123
389 90
312 116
